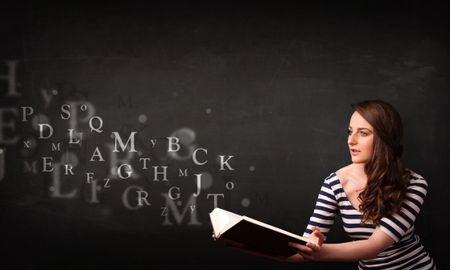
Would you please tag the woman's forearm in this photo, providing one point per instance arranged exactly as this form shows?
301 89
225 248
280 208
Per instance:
355 250
348 251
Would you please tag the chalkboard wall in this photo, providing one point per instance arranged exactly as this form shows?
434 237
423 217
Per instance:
264 93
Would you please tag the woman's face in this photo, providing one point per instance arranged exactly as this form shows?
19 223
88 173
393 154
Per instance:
360 139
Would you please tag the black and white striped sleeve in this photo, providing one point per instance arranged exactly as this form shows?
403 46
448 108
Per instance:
402 223
325 210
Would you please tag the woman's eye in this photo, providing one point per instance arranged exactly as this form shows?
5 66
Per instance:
349 132
364 133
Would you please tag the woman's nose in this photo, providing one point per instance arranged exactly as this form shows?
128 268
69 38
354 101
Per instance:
351 139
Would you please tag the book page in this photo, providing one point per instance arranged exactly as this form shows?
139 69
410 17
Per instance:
275 228
222 220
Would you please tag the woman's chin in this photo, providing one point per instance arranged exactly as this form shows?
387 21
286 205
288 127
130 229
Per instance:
358 160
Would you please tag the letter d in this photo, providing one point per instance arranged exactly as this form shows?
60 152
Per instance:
41 131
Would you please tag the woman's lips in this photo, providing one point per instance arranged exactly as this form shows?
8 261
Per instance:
354 151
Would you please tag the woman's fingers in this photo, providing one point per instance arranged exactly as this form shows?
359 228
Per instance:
300 247
307 257
314 247
296 258
302 255
317 235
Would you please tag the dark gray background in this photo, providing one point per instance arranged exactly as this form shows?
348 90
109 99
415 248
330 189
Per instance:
278 80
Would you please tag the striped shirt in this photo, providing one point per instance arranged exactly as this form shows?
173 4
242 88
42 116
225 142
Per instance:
406 253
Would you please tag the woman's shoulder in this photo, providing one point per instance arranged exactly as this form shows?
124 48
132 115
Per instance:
414 175
416 179
343 173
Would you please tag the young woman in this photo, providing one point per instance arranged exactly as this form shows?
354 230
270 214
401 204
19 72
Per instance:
376 196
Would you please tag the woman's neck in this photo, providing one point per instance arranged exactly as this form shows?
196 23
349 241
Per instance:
358 168
358 174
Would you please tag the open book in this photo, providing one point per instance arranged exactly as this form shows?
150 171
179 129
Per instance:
253 235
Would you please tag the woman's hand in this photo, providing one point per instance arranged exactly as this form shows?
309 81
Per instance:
311 251
316 236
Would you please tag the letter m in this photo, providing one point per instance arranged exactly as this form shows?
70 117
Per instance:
172 209
56 147
182 172
29 167
118 139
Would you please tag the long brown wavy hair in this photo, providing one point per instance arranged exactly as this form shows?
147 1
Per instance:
387 177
